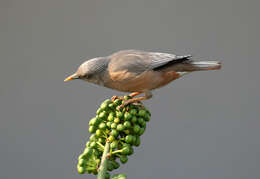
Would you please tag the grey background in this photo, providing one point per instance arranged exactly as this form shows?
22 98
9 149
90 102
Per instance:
204 126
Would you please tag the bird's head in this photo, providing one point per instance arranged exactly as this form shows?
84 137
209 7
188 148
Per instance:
90 70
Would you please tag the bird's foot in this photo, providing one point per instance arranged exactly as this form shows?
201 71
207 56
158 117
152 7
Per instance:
139 103
133 101
116 97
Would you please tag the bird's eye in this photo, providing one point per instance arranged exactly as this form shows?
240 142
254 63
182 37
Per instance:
88 76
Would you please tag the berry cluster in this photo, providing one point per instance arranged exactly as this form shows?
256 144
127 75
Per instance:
122 128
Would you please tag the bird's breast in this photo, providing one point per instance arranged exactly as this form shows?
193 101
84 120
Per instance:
130 82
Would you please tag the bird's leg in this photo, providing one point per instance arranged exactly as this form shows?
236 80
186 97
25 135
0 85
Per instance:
116 97
134 94
147 95
122 98
136 103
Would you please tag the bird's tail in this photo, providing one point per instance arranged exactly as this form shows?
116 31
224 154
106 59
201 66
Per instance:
205 65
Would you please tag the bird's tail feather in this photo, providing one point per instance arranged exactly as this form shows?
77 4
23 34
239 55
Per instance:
206 65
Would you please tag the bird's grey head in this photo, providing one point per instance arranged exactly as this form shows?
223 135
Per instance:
91 70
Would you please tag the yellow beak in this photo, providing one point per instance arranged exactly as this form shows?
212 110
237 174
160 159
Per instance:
71 77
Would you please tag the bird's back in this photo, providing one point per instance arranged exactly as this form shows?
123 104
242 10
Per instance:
138 61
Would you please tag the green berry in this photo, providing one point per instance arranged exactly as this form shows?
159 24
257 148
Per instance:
114 133
112 105
118 102
93 145
81 170
123 158
102 115
124 109
127 124
99 133
87 152
92 129
120 127
133 112
131 151
107 131
148 112
104 106
134 119
137 141
112 113
110 117
115 164
99 111
102 126
92 121
89 170
134 139
87 144
127 132
126 145
110 166
127 116
147 117
93 137
101 140
142 113
129 139
119 114
82 162
107 101
111 138
140 120
94 172
126 150
113 126
114 145
108 124
121 176
81 156
136 129
107 175
143 124
141 131
98 120
115 176
98 161
116 120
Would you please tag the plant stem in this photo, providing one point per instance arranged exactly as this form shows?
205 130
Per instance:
102 146
103 166
117 151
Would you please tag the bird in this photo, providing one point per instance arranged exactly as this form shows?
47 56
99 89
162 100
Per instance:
139 72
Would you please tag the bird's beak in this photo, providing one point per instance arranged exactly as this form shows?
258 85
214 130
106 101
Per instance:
71 77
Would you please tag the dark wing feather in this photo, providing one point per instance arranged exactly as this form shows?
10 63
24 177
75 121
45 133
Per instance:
161 60
176 60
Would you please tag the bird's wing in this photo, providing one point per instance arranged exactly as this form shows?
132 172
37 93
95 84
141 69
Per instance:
160 60
137 62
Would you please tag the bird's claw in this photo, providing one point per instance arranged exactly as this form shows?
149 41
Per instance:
138 104
120 107
116 97
126 102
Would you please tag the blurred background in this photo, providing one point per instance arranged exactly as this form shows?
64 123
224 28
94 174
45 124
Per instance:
204 125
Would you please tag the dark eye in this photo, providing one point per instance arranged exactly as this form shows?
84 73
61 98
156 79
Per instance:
88 76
